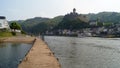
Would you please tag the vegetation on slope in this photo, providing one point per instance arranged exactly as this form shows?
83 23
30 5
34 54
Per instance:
5 34
113 17
39 24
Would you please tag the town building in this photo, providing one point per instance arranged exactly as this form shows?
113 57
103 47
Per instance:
3 23
93 22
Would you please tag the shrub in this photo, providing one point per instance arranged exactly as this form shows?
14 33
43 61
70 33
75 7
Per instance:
23 32
13 33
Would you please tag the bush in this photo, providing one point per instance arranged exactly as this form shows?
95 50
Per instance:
13 33
23 32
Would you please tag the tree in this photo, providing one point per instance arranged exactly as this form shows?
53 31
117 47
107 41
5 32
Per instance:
99 24
108 24
15 25
74 24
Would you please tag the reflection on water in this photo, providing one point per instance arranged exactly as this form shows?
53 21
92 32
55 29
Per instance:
85 52
12 53
2 45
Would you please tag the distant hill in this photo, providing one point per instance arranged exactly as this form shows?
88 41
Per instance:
47 25
73 21
39 24
28 24
19 21
113 17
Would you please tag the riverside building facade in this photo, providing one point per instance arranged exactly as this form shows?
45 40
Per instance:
3 23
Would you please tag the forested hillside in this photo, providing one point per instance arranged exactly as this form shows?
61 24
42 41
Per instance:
39 24
113 17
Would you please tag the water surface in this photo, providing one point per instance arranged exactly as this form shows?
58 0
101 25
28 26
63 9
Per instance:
88 52
12 53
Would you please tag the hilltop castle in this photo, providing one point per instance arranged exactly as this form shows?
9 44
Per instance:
74 15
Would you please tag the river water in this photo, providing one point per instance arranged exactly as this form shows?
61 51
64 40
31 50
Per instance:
87 52
12 53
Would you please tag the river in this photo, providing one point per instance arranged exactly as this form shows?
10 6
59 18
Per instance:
12 53
87 52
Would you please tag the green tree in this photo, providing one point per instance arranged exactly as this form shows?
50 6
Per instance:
74 24
15 26
99 24
108 24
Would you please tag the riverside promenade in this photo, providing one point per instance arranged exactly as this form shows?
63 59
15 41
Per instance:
39 56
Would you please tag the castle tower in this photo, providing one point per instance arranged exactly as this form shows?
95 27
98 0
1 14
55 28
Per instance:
74 10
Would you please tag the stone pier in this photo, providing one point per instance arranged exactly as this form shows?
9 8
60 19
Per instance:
40 56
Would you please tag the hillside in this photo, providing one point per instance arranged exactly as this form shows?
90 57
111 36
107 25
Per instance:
113 17
39 24
73 21
28 24
46 26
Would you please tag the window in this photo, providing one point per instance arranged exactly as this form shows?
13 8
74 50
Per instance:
0 24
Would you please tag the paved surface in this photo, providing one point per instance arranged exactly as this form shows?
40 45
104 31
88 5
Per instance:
39 56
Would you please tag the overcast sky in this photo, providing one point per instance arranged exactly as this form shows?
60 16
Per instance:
23 9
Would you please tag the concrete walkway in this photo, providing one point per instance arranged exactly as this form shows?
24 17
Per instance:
39 56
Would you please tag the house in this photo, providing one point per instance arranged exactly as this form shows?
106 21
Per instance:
93 22
3 23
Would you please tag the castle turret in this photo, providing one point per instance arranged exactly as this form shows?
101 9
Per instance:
74 10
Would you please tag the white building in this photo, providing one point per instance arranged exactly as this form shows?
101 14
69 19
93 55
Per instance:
93 22
3 23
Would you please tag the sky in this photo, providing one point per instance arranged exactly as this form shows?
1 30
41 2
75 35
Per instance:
24 9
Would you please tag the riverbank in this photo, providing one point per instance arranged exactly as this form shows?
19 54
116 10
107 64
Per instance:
19 39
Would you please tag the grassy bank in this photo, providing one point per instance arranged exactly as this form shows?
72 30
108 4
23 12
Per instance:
5 34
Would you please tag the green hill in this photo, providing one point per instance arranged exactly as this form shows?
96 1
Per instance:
47 25
113 17
39 24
